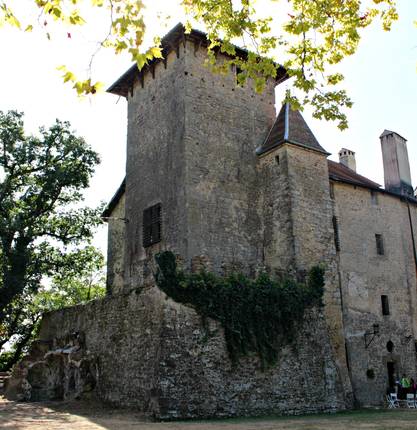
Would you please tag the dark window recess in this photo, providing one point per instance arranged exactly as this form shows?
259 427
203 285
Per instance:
152 225
390 346
379 244
331 190
370 374
347 357
385 305
336 233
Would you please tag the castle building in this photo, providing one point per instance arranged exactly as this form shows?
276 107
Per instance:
213 175
222 178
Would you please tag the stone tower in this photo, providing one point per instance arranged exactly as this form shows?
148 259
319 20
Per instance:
191 161
297 203
298 232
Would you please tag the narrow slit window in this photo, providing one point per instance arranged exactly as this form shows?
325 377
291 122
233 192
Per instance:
331 190
152 225
385 305
336 233
379 244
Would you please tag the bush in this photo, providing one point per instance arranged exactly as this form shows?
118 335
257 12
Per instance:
5 358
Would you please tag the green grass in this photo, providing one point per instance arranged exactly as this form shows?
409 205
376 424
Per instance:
375 419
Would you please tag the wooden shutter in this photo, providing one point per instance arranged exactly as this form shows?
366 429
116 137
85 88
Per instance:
152 220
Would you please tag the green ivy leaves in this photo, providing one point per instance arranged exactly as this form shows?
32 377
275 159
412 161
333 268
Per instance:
258 316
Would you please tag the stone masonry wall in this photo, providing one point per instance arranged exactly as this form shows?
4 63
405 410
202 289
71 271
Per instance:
192 136
224 124
155 164
277 240
365 276
116 248
155 355
298 229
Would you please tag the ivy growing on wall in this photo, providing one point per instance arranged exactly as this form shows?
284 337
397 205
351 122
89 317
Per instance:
258 316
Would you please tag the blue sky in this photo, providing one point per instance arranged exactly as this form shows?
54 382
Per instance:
381 79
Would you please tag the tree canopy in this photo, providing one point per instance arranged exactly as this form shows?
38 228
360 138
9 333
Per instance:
309 38
43 227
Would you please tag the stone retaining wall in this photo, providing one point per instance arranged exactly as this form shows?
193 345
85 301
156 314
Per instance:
145 351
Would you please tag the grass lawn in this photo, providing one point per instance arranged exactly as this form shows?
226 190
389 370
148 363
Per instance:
84 416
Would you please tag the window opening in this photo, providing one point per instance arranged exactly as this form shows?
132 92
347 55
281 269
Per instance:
379 244
152 225
385 305
336 233
332 191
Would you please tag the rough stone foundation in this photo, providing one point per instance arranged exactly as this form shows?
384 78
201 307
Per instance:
148 352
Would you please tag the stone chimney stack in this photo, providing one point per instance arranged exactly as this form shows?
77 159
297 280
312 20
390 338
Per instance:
347 158
396 165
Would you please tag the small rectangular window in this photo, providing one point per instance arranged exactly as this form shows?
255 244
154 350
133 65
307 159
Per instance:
379 244
151 227
336 233
385 305
374 198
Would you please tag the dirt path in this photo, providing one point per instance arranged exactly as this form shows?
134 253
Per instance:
84 416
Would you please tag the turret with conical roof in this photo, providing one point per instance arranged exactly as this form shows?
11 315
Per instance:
297 211
290 127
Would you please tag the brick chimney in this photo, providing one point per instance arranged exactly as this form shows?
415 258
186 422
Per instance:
347 158
397 175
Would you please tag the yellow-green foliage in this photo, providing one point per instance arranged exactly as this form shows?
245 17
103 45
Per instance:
309 38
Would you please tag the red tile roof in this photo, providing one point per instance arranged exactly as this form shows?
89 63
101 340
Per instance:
339 172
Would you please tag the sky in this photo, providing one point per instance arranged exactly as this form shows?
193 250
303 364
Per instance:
381 78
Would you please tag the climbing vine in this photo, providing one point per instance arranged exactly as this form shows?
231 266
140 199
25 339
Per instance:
258 316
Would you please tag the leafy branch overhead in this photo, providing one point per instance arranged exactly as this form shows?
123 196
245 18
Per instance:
309 38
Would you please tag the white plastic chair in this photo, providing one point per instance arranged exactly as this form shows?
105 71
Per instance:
411 403
392 401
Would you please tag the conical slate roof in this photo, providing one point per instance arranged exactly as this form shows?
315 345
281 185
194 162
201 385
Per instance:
290 127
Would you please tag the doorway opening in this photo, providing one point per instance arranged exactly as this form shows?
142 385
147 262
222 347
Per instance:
391 375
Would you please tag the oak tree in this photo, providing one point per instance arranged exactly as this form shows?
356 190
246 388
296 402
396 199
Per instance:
43 226
77 279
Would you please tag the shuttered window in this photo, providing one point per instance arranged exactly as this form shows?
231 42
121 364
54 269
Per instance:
152 225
